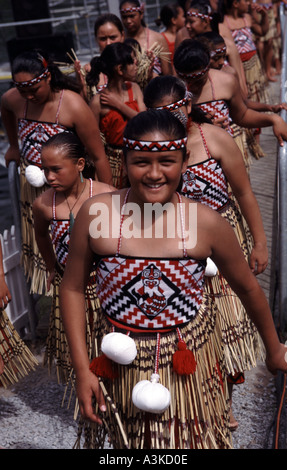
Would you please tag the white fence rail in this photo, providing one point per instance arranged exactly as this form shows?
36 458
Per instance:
19 309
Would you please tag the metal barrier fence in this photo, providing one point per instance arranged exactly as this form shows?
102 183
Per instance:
282 191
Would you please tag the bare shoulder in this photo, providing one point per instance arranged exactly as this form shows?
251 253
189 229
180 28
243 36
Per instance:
100 188
12 100
43 203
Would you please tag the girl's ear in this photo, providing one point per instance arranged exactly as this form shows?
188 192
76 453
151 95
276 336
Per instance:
119 69
81 163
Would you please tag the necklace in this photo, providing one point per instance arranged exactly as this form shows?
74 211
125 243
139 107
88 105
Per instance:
71 215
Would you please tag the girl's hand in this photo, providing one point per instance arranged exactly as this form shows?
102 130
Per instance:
110 99
258 259
278 360
276 108
87 387
5 296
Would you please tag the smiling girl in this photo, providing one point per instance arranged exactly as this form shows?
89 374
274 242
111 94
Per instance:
151 291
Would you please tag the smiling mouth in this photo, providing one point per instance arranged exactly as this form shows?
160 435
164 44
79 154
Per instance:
154 186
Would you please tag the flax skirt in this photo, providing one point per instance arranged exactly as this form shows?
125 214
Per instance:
241 341
17 357
32 261
198 416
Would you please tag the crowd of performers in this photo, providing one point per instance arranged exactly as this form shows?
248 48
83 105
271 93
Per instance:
155 331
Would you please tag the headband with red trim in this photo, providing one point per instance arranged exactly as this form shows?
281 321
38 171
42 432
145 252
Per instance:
33 81
139 9
219 50
191 75
198 15
177 104
152 146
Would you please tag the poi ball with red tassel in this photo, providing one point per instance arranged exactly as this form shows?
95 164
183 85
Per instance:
184 362
103 367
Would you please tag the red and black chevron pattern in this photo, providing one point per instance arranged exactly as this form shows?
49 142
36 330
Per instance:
150 293
206 183
33 134
219 109
60 239
243 39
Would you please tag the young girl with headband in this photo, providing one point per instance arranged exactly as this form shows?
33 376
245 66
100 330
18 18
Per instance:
219 92
238 18
167 385
200 18
120 100
132 15
40 105
209 176
63 162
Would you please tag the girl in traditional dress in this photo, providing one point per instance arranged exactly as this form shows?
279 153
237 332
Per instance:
120 100
243 27
218 93
209 176
132 14
173 18
40 105
63 162
16 359
201 18
153 293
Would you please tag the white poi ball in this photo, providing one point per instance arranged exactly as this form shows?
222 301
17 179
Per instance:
211 268
35 176
151 396
119 348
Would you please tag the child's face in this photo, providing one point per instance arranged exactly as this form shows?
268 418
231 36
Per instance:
180 19
38 93
217 60
60 171
243 6
154 176
107 34
195 25
131 20
130 70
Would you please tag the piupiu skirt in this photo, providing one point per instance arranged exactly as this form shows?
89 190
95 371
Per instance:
198 415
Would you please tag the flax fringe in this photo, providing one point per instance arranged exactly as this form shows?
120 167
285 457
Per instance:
256 80
198 416
32 261
116 160
241 341
17 357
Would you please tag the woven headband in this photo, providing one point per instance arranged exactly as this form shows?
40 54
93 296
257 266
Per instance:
193 74
177 104
198 15
220 50
132 9
33 81
151 146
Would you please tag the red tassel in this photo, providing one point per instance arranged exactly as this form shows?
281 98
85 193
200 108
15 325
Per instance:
184 362
104 367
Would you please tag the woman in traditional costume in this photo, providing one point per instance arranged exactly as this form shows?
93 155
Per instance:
40 105
170 389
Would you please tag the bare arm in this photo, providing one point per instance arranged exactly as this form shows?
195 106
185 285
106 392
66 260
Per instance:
72 304
9 120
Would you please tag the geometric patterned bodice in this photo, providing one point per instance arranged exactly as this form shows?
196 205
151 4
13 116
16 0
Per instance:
205 182
149 293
